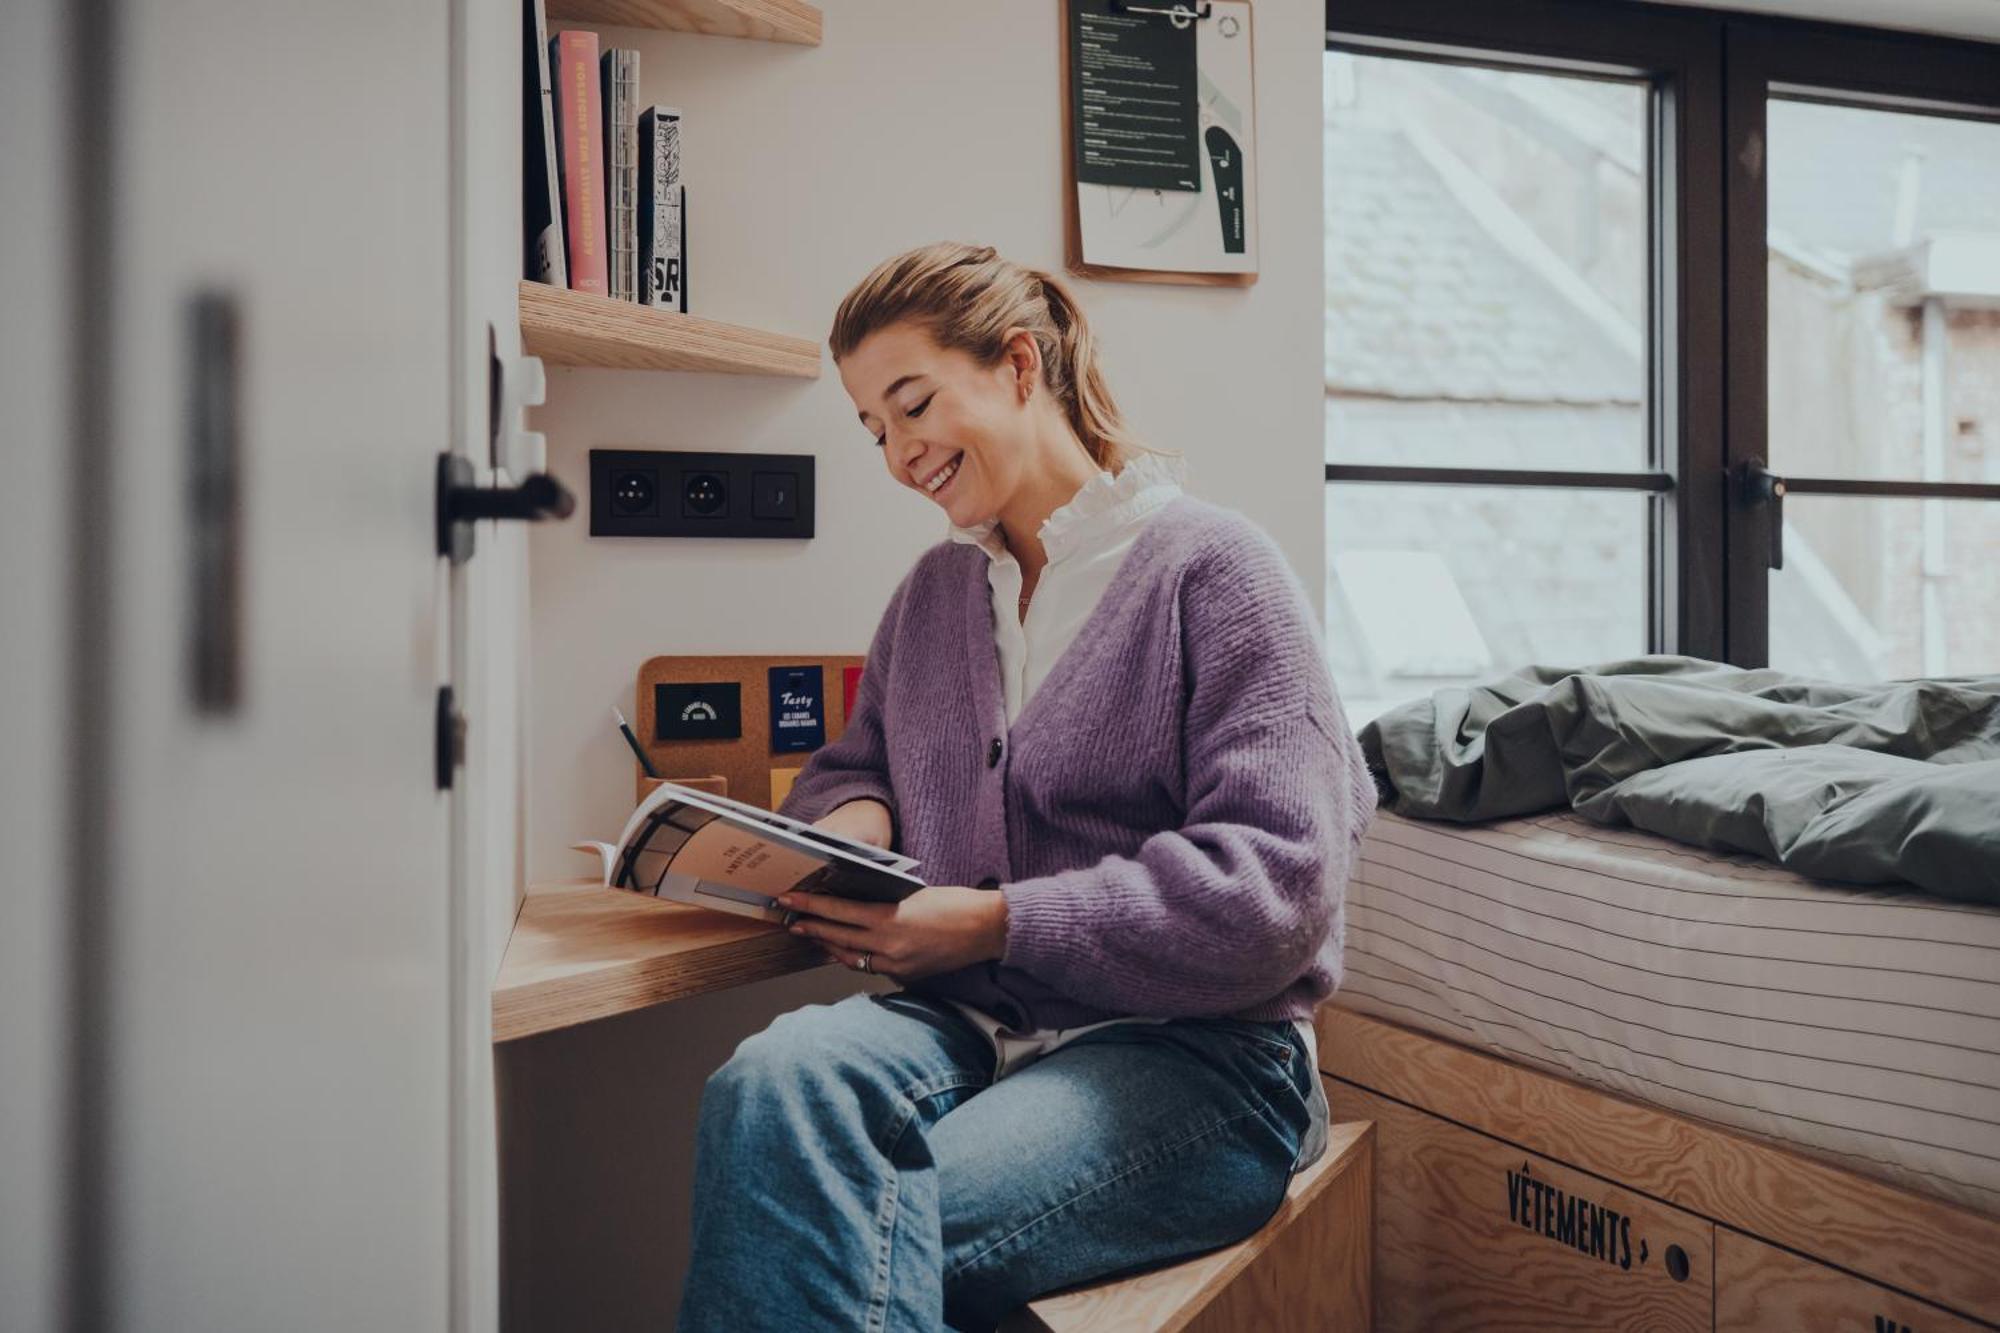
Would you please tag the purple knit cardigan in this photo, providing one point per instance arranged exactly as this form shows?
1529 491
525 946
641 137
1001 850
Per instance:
1173 815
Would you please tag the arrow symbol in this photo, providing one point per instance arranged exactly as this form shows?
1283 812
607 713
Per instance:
1642 1249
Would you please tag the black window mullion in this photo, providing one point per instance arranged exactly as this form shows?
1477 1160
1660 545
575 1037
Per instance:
1747 537
1885 487
1395 473
1689 224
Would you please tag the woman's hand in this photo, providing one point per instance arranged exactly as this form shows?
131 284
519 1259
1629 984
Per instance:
936 929
862 820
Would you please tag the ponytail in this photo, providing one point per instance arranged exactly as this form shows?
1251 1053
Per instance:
967 297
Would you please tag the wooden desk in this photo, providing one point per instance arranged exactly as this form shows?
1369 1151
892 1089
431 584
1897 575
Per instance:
580 952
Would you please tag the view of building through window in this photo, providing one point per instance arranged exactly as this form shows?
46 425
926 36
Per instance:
1884 291
1486 292
1486 306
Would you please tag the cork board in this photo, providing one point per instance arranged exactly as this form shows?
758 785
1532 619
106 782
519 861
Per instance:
746 762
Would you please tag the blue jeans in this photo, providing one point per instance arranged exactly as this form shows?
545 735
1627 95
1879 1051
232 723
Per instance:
856 1166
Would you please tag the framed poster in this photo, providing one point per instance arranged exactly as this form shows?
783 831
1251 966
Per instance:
1160 140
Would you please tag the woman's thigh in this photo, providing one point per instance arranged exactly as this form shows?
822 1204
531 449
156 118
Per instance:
874 1049
1129 1147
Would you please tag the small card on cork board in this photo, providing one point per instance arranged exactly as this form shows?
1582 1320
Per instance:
751 720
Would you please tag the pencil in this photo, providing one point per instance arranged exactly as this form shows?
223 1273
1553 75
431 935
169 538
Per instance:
633 741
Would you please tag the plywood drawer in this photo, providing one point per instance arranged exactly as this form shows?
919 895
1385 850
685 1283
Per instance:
1473 1233
1762 1289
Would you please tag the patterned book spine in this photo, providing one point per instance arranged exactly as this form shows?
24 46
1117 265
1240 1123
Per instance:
621 146
662 234
579 123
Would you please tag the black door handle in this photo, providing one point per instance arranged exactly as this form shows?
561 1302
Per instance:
1757 485
460 504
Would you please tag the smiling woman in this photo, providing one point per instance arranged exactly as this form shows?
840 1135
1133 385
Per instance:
1137 831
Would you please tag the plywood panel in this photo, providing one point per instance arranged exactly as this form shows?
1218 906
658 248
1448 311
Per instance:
1474 1234
1304 1271
1763 1289
567 328
1908 1241
761 20
580 952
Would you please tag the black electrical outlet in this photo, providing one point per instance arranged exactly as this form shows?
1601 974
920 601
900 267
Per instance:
635 491
648 493
705 495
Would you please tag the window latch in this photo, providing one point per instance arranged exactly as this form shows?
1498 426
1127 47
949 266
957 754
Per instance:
1757 486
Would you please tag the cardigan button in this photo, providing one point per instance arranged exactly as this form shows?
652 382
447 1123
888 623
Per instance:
989 883
993 754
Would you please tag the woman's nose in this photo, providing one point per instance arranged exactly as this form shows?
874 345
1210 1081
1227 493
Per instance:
908 448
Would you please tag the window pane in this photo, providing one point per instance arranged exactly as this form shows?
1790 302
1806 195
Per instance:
1856 599
1884 284
1486 240
1429 586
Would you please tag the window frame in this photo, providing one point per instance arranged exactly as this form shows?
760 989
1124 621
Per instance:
1709 527
1892 71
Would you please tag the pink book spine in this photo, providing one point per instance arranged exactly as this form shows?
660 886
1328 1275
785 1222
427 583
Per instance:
583 162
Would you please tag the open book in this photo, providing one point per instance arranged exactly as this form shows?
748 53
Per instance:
710 851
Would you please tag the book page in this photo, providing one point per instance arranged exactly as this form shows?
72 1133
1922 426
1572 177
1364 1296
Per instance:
744 860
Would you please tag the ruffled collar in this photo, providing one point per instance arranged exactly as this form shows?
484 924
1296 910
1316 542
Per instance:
1100 507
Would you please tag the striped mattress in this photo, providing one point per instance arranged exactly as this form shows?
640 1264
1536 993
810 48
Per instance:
1859 1026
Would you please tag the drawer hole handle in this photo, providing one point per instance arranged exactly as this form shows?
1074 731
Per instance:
1677 1263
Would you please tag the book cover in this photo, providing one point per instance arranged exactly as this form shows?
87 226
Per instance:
542 221
662 211
619 77
580 138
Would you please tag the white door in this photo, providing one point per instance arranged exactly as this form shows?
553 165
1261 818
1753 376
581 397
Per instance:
34 633
269 1073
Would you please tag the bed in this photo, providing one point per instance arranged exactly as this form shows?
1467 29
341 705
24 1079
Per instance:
1623 1082
1860 1026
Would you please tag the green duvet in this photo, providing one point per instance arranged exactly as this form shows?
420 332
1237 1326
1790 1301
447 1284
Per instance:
1872 784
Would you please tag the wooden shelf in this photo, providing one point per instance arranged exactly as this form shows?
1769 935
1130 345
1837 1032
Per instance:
763 20
566 328
580 952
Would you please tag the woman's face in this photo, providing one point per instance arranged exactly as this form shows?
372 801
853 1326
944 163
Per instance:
950 429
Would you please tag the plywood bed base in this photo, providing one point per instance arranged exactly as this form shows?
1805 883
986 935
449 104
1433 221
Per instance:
1509 1197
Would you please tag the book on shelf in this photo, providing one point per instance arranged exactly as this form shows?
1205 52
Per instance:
542 220
662 211
710 851
579 120
619 77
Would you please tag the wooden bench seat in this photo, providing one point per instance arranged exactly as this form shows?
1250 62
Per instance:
1308 1268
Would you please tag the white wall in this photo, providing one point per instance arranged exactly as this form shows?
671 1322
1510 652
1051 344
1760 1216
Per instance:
912 123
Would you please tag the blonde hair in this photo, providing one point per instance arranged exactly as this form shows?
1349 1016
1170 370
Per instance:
967 297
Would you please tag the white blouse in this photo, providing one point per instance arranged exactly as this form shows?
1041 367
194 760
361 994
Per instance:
1086 541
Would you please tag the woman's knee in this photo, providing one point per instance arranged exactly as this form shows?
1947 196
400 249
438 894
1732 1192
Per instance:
779 1051
797 1046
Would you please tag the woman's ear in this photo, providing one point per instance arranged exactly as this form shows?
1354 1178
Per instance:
1024 360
